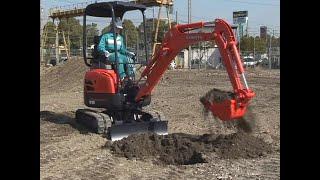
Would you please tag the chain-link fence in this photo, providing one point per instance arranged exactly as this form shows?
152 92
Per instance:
50 56
211 59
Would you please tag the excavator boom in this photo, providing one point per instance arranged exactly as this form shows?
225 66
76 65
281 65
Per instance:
122 100
180 37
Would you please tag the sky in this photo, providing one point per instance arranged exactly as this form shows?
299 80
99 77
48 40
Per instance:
260 12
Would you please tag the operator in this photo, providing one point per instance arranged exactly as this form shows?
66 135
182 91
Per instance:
106 48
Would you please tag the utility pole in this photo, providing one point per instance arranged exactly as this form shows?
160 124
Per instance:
177 17
239 34
199 56
80 45
189 21
69 48
168 16
270 42
153 19
254 47
247 35
57 44
137 48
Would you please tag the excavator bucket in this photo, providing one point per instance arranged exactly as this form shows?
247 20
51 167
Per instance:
223 105
226 110
117 132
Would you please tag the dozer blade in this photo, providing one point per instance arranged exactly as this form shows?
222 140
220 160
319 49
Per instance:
117 132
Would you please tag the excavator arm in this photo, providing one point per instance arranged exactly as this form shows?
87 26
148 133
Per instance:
180 37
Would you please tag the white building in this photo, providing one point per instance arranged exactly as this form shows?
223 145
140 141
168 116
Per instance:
207 56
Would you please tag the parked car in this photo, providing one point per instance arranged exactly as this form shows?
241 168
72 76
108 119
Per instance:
172 65
249 61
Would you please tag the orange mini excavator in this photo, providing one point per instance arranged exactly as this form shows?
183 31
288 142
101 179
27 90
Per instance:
122 101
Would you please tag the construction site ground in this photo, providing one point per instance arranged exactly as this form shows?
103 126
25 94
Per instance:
69 151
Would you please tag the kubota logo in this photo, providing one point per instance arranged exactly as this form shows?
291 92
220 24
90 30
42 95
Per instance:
193 37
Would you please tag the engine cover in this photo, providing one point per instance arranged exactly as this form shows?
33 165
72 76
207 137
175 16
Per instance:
100 87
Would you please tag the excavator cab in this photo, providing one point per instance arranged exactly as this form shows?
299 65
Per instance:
111 10
105 89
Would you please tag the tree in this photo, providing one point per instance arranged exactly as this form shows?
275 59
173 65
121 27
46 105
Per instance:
246 44
150 23
275 41
260 45
92 30
130 33
50 27
163 28
73 26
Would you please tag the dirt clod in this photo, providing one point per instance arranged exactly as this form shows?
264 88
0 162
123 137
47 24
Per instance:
217 95
184 149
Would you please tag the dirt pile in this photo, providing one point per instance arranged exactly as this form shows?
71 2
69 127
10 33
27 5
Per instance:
245 123
65 77
183 149
217 95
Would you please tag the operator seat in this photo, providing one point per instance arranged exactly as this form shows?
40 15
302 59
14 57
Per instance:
98 61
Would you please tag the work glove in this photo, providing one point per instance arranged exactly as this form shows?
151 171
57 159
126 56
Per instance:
131 53
107 54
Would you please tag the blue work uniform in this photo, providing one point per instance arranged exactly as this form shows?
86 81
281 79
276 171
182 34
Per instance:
107 44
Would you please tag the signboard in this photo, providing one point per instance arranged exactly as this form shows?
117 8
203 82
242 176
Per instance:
240 14
240 20
240 17
263 31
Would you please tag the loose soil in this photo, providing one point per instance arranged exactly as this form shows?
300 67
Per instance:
184 149
69 151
